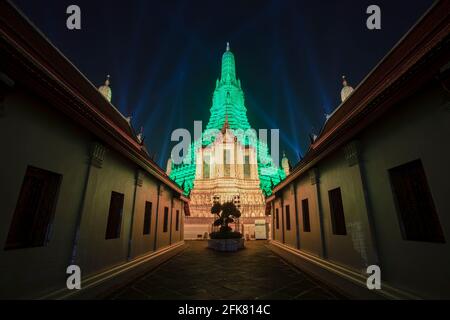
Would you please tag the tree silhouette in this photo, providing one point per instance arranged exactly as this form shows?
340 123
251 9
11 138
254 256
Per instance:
226 214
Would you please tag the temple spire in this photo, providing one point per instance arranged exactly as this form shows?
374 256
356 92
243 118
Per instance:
228 66
228 97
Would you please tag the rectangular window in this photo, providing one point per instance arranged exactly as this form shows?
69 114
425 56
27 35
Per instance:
277 218
177 221
206 167
418 217
114 216
288 218
226 163
273 223
337 212
166 219
147 217
35 208
247 167
305 212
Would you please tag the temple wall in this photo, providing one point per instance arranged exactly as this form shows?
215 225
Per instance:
351 249
34 134
311 241
27 139
416 128
94 252
288 219
165 201
148 192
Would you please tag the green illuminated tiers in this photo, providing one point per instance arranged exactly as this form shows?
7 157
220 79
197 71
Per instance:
228 98
228 103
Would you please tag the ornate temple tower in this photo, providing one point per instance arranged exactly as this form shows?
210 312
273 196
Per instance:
228 163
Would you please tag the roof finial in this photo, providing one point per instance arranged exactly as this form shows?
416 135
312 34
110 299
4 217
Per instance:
228 46
140 136
105 89
346 90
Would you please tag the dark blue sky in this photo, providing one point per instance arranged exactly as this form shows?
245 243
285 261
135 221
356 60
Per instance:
164 56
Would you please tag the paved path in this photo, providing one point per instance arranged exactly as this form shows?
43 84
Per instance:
200 273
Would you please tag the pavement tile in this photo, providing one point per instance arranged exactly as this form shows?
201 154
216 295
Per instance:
199 273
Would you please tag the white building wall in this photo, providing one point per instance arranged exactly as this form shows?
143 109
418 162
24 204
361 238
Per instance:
34 134
416 128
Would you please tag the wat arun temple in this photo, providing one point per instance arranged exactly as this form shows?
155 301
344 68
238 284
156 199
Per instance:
228 163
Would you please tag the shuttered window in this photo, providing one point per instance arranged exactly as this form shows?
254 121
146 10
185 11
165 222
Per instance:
277 218
115 216
288 218
35 209
305 213
337 212
166 219
147 217
417 213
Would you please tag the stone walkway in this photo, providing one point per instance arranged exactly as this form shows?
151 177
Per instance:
200 273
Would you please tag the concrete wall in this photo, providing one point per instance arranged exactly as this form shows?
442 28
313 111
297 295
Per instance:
177 234
192 231
142 244
309 241
290 236
416 128
163 238
94 252
350 250
33 133
30 134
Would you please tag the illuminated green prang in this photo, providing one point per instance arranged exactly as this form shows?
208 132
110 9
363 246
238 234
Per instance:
228 103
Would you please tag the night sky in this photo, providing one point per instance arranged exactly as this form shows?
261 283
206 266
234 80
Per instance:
164 57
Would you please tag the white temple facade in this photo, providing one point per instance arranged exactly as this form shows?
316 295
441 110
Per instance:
226 171
230 163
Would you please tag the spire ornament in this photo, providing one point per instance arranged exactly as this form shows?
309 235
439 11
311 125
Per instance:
346 90
285 164
228 74
140 136
105 89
